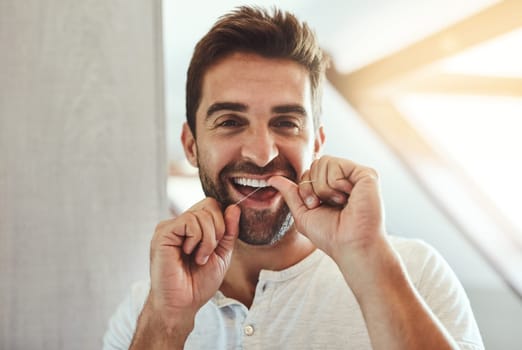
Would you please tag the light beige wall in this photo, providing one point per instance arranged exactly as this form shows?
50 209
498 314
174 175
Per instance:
82 164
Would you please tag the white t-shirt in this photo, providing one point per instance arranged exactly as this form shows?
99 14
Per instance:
309 306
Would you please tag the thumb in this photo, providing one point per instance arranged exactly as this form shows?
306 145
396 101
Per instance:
231 216
290 192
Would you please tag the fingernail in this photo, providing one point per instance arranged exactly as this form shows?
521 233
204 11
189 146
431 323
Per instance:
310 201
338 199
203 260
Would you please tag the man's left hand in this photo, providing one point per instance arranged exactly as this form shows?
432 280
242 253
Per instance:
337 205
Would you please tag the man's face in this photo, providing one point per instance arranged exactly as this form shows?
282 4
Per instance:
254 121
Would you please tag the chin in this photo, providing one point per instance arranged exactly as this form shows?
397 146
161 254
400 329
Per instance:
261 234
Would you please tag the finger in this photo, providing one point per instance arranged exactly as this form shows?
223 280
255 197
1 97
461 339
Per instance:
306 191
173 232
337 179
366 185
208 243
324 170
231 219
363 173
290 192
163 237
357 176
214 209
212 206
192 233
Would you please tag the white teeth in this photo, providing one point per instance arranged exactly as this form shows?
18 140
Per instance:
243 181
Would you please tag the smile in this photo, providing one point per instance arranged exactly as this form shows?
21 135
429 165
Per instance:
256 183
257 190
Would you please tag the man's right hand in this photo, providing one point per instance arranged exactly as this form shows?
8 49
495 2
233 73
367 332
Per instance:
190 255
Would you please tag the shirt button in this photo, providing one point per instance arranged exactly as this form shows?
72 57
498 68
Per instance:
249 330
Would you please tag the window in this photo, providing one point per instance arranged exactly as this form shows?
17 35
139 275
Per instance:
450 106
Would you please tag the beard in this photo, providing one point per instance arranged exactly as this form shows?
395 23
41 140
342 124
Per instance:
256 227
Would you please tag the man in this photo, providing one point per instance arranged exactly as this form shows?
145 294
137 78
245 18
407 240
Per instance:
288 250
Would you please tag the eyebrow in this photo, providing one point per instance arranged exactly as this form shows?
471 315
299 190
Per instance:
226 106
240 107
293 108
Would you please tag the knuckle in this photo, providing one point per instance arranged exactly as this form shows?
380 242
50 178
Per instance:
219 227
159 230
372 173
192 216
206 214
161 225
328 158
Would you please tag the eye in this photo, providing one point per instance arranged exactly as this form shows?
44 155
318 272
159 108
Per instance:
229 122
287 124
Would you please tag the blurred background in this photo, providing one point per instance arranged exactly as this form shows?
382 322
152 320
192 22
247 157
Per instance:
91 106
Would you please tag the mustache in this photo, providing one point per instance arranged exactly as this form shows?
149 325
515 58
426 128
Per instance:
276 165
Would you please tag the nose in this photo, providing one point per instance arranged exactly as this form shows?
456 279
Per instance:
259 147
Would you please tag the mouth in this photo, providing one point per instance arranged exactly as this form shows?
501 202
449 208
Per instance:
257 190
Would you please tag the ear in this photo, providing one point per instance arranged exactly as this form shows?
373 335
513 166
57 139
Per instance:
320 138
189 145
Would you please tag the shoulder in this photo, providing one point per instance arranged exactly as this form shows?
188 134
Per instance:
135 299
408 246
123 322
139 293
421 260
426 267
440 288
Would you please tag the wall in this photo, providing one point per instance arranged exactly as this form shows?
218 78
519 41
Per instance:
82 164
411 213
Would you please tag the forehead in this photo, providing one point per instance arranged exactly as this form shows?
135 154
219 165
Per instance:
256 81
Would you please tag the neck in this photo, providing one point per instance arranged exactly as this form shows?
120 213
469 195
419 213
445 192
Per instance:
248 260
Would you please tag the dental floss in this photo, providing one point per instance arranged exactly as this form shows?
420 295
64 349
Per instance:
306 182
257 189
248 195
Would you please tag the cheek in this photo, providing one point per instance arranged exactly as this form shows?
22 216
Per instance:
300 158
216 156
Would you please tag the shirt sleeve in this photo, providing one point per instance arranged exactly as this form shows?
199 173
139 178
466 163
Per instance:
122 324
444 294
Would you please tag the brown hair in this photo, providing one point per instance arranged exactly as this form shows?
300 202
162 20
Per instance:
274 34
